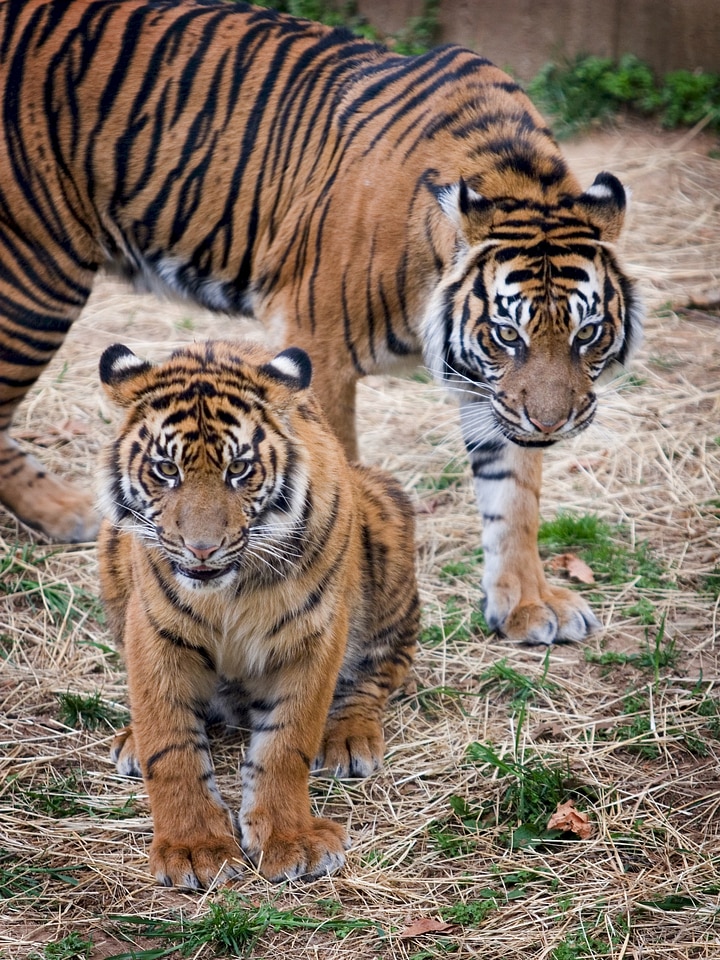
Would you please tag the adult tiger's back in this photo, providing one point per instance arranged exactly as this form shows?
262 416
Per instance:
367 207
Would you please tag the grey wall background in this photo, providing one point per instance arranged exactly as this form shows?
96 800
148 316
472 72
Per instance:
524 34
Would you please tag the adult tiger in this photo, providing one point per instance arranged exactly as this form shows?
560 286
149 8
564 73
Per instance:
367 207
248 571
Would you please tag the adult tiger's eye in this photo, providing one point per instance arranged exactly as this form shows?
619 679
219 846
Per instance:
508 334
239 468
167 468
586 333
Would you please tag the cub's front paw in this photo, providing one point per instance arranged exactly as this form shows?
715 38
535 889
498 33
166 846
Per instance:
196 865
544 616
315 851
351 749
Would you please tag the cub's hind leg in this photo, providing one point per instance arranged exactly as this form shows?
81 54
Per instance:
32 327
383 637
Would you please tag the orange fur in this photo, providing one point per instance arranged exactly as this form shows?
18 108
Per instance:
250 572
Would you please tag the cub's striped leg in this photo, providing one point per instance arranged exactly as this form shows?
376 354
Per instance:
519 602
384 629
278 831
170 686
28 341
353 742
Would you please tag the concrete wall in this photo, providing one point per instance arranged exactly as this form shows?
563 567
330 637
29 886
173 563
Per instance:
524 34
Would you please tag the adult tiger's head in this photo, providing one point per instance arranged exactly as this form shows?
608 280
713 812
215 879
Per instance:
534 310
205 467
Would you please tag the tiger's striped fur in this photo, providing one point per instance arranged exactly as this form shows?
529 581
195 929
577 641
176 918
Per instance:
370 208
251 574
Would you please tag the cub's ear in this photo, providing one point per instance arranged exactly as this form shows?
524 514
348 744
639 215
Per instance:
122 374
603 205
471 213
291 367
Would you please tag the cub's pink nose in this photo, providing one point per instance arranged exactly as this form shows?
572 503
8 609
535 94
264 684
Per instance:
202 551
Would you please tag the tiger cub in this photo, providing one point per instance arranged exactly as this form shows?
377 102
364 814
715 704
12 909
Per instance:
251 574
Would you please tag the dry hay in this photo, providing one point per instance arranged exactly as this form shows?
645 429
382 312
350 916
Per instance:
74 836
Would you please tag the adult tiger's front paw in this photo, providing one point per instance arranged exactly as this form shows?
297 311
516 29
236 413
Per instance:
195 865
315 851
543 615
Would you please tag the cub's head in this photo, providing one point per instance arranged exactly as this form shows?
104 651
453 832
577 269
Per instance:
534 310
205 467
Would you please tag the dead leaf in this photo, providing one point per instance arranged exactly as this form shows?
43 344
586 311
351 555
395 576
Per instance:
570 820
573 566
423 925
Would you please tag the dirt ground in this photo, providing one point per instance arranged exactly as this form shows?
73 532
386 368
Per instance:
626 725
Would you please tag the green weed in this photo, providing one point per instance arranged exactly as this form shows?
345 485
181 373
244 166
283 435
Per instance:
231 927
450 477
507 681
458 625
64 796
473 913
22 881
72 947
60 600
655 655
600 545
89 712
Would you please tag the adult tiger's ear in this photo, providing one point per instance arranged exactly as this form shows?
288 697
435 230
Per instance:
603 205
120 369
468 210
291 367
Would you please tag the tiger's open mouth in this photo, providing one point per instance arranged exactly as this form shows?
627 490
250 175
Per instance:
203 573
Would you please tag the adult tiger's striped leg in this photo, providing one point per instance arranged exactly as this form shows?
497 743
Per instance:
519 602
28 340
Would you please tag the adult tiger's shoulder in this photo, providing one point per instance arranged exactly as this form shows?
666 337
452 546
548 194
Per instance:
251 573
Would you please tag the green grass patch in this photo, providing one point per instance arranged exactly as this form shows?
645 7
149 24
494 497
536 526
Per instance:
24 574
606 550
501 678
459 625
72 947
64 796
89 711
232 927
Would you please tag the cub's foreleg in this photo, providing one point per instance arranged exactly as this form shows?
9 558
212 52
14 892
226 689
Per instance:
170 685
519 602
287 715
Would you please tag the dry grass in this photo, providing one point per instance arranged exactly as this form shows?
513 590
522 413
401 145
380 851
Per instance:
430 833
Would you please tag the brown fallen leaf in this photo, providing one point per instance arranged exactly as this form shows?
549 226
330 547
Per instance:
570 820
573 566
423 925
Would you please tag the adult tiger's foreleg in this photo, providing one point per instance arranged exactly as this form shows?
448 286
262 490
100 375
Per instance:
28 340
519 602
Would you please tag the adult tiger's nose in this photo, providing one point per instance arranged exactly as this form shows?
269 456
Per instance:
202 551
548 427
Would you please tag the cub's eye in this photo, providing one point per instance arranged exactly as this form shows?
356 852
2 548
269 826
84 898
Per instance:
587 333
167 469
508 334
238 469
